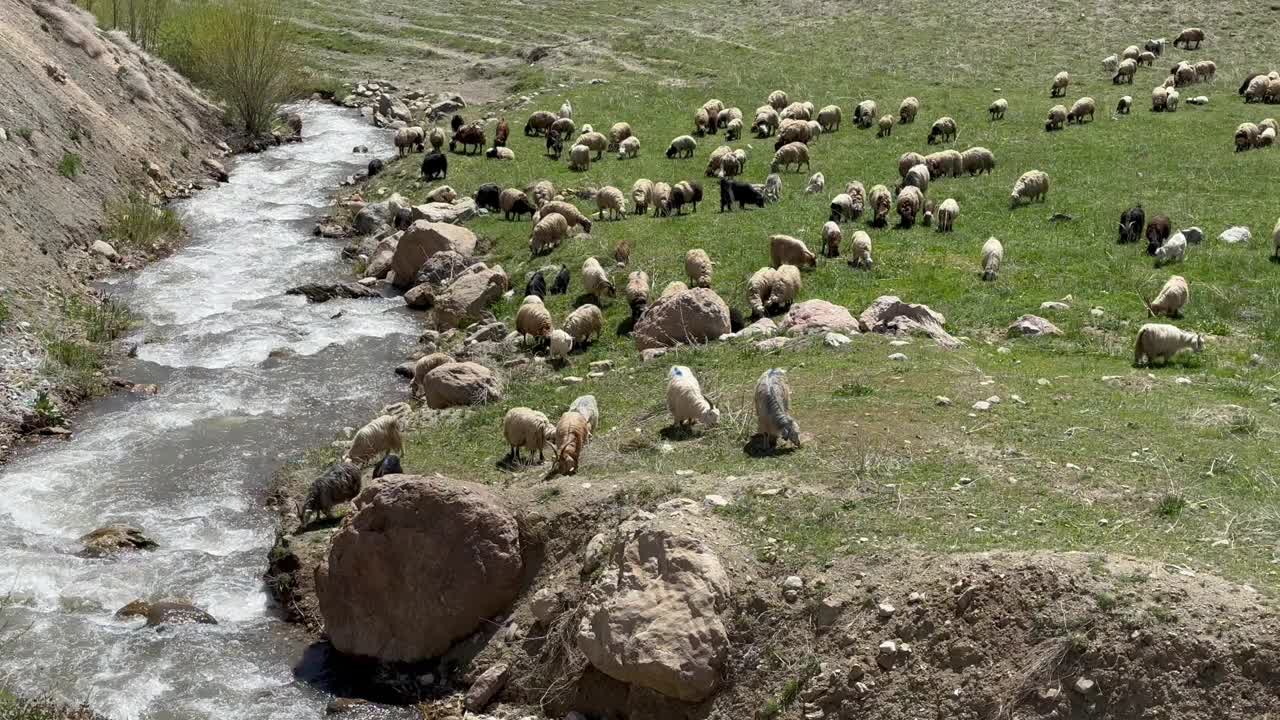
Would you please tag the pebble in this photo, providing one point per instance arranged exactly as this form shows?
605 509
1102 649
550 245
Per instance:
1004 350
994 399
1053 305
683 473
914 598
1018 399
571 380
1256 360
982 405
1072 466
942 401
898 357
836 340
1084 686
595 375
769 492
899 343
715 501
1097 312
885 610
793 582
887 655
1043 382
602 365
666 448
1183 381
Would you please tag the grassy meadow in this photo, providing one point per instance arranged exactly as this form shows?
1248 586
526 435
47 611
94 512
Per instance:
1176 464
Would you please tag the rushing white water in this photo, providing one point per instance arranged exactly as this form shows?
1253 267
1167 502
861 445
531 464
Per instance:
189 464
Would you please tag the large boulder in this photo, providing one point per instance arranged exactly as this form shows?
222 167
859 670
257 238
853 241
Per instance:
458 211
420 297
890 315
690 316
440 269
424 239
389 106
113 539
380 261
422 563
655 616
461 384
1032 326
324 292
818 316
466 298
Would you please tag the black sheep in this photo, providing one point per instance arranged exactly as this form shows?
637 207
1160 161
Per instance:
435 166
1131 222
487 197
1157 233
555 146
675 203
537 285
375 167
736 323
732 191
455 123
467 136
390 465
521 206
697 195
561 284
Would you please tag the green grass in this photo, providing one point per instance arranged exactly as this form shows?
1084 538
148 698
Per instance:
70 165
23 132
4 310
133 223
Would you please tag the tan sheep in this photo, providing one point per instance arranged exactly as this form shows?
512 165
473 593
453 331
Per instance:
380 435
1246 136
918 177
778 100
580 158
910 203
570 213
817 184
629 148
548 233
714 160
1057 117
561 345
943 130
796 111
831 237
572 433
992 256
795 153
908 161
861 256
584 323
1131 53
661 199
637 292
881 202
609 199
597 142
1031 185
595 280
948 211
865 114
642 195
1124 74
436 137
886 125
698 266
527 429
1060 83
1080 108
1171 299
421 367
674 287
977 160
773 290
541 192
998 108
907 110
617 133
1158 343
787 250
829 118
682 147
533 319
442 194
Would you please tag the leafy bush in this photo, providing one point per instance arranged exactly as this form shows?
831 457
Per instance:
244 54
133 223
48 412
70 165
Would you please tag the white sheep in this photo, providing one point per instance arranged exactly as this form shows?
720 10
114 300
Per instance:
1124 73
857 193
796 111
733 129
778 100
609 199
773 289
796 153
992 257
542 192
881 202
661 199
1246 136
766 122
998 108
548 232
1267 137
817 183
500 153
566 110
1159 98
565 127
918 177
773 187
977 160
698 266
907 110
1032 185
815 130
407 139
832 236
773 409
1110 63
1057 117
948 211
861 256
685 400
618 133
1080 108
580 158
380 435
1172 297
1171 101
561 345
586 406
597 143
682 147
642 195
1131 53
829 118
436 137
533 319
1173 250
1158 343
637 293
595 280
716 159
909 204
1146 57
1060 83
1124 105
786 250
944 129
629 148
528 429
584 323
865 113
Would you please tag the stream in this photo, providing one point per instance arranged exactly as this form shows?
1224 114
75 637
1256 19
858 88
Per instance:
248 377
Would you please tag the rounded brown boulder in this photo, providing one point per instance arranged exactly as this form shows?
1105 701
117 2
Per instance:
422 564
461 384
686 317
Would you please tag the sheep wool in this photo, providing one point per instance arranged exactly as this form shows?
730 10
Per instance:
595 280
682 147
380 435
580 158
786 250
943 130
1080 108
948 211
542 192
586 406
881 202
866 113
661 199
566 110
533 319
500 153
572 214
716 158
642 195
796 153
1157 343
609 199
1032 185
1171 299
1173 250
908 161
697 265
861 256
998 108
1171 101
778 100
773 187
910 203
527 429
885 124
1057 117
1246 136
831 237
771 288
1124 105
424 365
571 434
1060 83
548 233
1124 74
584 323
686 402
817 184
773 409
629 148
829 118
436 138
977 160
918 177
907 110
339 483
637 292
561 345
442 194
992 256
1110 63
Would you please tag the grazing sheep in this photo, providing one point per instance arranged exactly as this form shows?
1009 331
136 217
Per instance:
436 138
773 187
698 265
1188 36
536 285
528 429
589 409
617 133
1032 185
857 196
609 199
566 110
1184 74
555 144
1124 73
817 183
1158 230
1275 241
977 160
584 323
881 201
741 193
424 365
374 167
637 293
777 100
793 131
885 124
766 123
533 319
682 147
861 256
685 400
992 256
1057 116
501 133
662 194
1173 250
622 252
1082 107
1171 299
829 118
943 130
500 153
685 193
1060 83
786 250
548 233
642 195
1110 63
1158 343
865 113
716 159
561 344
842 209
998 109
728 115
1159 99
795 153
1248 80
1131 224
489 197
1206 70
1146 57
408 139
907 110
701 122
572 432
831 237
560 285
908 161
539 123
733 130
1124 105
771 291
435 166
1131 53
1256 91
595 280
442 194
380 435
570 213
944 163
733 164
797 111
918 177
515 202
1272 94
1268 123
468 136
815 130
339 483
1155 46
1267 137
629 148
948 211
910 203
1246 136
580 158
773 409
597 143
1171 101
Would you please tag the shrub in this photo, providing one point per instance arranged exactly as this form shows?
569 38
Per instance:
70 165
102 322
4 310
47 411
244 54
23 132
133 223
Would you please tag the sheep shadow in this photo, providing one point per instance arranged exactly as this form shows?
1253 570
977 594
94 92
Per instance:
320 523
677 433
1275 259
626 327
509 463
758 448
588 299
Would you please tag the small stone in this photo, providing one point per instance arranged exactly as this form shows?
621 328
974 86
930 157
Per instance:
1054 305
899 343
994 399
1072 466
942 401
793 582
982 406
487 686
915 598
769 492
836 340
1234 235
1018 399
103 248
772 344
887 654
684 473
666 448
595 375
1085 686
1104 522
829 611
571 380
1043 382
1183 381
885 610
1097 312
898 357
1255 360
1004 350
602 365
715 501
545 606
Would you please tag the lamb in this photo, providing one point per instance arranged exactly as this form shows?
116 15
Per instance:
948 211
539 123
1171 299
586 406
560 285
442 194
881 202
865 113
1109 63
617 133
1173 250
716 159
525 428
622 252
992 256
842 209
1060 83
861 257
1158 229
815 130
739 192
1124 105
561 344
1131 223
943 129
908 161
795 153
773 409
1268 123
642 195
380 435
1267 137
777 100
1159 99
435 166
733 129
998 109
1158 343
1032 185
584 323
536 285
977 160
515 202
609 199
1206 70
571 213
907 110
885 124
1057 116
338 484
831 237
489 197
500 153
1125 73
595 280
686 402
910 203
829 118
572 432
1246 136
467 136
1188 36
682 147
1171 101
1146 57
423 366
698 265
728 115
662 194
773 187
629 148
1082 107
548 233
637 293
817 184
533 319
786 250
566 110
580 158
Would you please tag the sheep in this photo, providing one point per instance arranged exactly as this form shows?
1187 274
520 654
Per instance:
1256 91
917 177
857 197
1272 94
1057 116
467 136
907 110
1124 73
1173 250
815 130
662 194
796 111
1124 105
910 203
561 344
554 144
1246 136
637 293
943 129
1130 53
1158 343
992 256
739 192
560 285
489 197
595 280
817 184
1275 241
629 148
1080 108
580 158
566 110
339 483
436 138
617 133
682 147
408 139
793 131
766 123
865 113
673 288
771 291
773 187
728 115
609 199
1206 70
1032 185
584 323
795 153
1159 99
773 409
539 123
596 142
1146 57
733 130
998 108
1158 230
380 435
732 164
536 285
374 167
586 406
622 251
861 256
435 166
698 265
829 118
1171 298
572 214
701 122
786 250
1268 123
948 211
1184 74
1247 80
1060 83
1109 63
500 153
1171 101
777 100
642 195
1188 36
525 428
686 402
572 432
831 237
515 202
977 160
716 158
1267 137
533 319
501 133
1155 46
1131 223
442 194
842 209
908 161
944 163
885 124
421 367
881 202
548 233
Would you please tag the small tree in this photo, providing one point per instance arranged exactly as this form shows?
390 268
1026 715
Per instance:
246 56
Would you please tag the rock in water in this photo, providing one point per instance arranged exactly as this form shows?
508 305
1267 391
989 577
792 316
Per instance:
324 292
113 539
166 612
